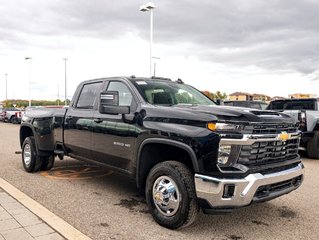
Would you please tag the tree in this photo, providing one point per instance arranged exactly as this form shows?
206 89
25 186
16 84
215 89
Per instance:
217 95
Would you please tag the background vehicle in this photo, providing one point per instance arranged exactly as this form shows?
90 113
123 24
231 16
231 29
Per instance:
247 104
183 150
1 114
12 115
306 111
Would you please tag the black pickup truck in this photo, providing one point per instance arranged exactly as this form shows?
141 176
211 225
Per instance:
184 151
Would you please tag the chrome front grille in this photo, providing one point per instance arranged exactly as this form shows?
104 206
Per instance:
274 128
268 152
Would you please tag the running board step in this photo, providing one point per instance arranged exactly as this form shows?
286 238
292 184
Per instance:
59 153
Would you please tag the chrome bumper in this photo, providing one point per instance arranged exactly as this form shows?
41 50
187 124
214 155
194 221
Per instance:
212 189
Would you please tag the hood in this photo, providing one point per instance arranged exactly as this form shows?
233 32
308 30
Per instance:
204 113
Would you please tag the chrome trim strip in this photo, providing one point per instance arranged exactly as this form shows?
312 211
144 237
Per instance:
249 139
211 188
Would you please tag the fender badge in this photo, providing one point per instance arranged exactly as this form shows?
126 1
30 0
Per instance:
284 136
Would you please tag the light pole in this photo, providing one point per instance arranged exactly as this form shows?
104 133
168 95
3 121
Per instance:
6 88
65 92
29 58
58 95
155 64
144 8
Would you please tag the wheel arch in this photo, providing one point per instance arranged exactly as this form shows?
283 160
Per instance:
25 131
150 147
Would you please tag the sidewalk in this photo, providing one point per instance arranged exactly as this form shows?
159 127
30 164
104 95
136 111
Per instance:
22 218
17 222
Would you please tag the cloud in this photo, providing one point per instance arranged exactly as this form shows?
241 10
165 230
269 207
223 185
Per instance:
271 35
272 32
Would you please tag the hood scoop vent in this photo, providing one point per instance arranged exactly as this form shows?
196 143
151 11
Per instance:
264 113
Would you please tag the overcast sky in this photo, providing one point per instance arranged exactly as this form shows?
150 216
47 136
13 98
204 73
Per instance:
261 46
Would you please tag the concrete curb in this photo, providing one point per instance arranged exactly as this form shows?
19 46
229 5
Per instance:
57 223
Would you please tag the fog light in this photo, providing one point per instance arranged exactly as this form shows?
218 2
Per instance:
224 153
229 190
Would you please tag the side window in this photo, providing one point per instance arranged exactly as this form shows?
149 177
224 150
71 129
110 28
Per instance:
125 96
88 95
255 105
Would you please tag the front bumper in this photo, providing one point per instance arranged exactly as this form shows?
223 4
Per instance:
253 188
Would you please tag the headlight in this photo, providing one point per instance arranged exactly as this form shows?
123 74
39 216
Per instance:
223 127
224 154
24 119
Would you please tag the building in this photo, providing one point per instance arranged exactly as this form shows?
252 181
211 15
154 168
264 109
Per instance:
240 96
278 98
261 97
301 95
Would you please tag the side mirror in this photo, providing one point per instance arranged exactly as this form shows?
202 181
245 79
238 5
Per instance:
219 101
109 103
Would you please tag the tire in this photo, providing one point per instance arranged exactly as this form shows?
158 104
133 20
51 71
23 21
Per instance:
179 208
13 119
313 146
30 160
47 163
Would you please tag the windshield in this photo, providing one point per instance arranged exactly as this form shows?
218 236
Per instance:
171 93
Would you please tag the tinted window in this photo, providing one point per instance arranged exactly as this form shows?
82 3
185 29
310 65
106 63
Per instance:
292 105
255 105
229 103
241 104
125 96
88 95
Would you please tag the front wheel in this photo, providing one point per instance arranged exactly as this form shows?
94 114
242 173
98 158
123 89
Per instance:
170 195
313 146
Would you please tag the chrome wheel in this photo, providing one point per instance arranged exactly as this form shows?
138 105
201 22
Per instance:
27 155
166 196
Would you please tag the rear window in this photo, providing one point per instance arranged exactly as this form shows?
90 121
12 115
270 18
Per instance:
293 105
88 95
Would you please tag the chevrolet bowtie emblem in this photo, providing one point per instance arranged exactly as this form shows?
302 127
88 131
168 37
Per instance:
284 136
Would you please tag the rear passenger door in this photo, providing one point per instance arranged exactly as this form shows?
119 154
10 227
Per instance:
79 121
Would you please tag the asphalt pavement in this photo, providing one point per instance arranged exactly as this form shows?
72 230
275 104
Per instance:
106 205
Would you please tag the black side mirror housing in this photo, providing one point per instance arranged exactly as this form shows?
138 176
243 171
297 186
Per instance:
109 103
219 101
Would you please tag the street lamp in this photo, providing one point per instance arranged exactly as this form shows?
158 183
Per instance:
6 88
155 64
145 8
58 95
65 92
29 58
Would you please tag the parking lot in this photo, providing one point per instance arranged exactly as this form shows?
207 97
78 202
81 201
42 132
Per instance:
105 205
